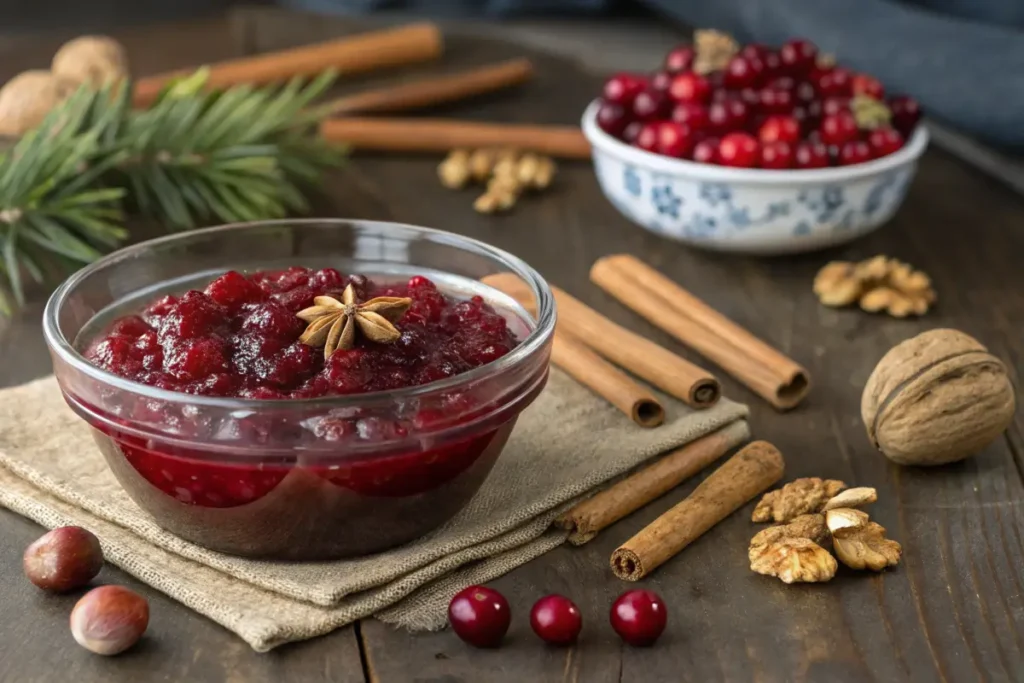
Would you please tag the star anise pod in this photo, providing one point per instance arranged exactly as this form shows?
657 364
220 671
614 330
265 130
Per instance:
333 323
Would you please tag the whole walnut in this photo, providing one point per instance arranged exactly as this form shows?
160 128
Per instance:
94 60
937 398
26 99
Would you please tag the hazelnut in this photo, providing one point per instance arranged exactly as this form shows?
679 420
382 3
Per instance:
110 619
26 99
937 398
95 60
63 559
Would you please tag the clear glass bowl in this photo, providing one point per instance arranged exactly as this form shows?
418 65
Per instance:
287 492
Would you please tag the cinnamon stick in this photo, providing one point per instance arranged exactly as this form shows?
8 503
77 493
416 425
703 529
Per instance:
772 375
639 355
430 91
444 135
352 54
742 477
586 519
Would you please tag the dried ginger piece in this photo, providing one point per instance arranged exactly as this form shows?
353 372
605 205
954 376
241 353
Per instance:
877 284
798 497
796 560
811 527
852 498
866 547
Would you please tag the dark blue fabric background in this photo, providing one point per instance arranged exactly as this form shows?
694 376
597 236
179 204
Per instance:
963 59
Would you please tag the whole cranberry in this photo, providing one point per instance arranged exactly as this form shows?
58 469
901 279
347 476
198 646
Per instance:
810 154
647 138
783 83
777 154
612 118
751 97
622 88
839 128
556 620
639 617
110 619
798 56
772 64
631 131
776 101
232 289
706 151
757 50
480 616
835 81
739 150
864 84
727 116
692 114
884 141
784 128
742 72
804 92
660 80
854 152
651 105
679 59
804 117
674 139
689 87
834 105
63 559
906 112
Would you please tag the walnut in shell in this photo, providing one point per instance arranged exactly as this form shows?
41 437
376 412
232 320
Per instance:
866 547
798 497
796 560
93 60
937 398
27 98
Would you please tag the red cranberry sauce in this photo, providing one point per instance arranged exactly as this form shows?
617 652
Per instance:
239 337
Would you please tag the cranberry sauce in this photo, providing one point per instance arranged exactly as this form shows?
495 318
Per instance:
239 337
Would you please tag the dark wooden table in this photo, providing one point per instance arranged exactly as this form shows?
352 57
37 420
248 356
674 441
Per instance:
952 611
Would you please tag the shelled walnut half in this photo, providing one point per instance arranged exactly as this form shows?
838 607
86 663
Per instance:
877 284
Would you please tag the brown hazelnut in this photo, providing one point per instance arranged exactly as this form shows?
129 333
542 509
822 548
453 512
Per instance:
94 60
26 99
63 559
937 398
110 619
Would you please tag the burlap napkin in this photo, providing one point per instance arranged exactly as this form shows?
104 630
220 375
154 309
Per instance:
565 445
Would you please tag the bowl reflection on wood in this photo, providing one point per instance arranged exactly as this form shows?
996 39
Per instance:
755 211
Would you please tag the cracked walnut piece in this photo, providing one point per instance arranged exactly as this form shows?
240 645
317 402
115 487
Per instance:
866 547
877 284
811 527
798 497
796 560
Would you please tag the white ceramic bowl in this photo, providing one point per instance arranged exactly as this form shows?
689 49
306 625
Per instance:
750 210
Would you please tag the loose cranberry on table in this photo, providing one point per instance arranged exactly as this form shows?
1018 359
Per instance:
639 617
556 620
63 559
739 150
480 616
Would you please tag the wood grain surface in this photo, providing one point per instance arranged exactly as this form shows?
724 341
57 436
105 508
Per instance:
952 611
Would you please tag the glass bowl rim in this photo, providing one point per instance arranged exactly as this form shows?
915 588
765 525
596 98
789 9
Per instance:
544 330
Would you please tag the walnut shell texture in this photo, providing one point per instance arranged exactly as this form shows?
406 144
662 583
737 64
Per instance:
937 398
95 60
26 99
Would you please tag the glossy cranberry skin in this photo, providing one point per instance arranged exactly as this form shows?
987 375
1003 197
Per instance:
690 87
777 154
674 139
706 151
631 131
776 101
772 64
854 152
867 85
742 72
833 105
884 141
647 138
727 116
479 616
679 59
612 118
798 56
651 105
775 128
835 82
556 620
622 88
839 128
739 150
660 80
804 92
639 617
906 113
810 154
691 114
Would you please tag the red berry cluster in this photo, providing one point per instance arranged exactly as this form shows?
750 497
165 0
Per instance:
481 616
774 109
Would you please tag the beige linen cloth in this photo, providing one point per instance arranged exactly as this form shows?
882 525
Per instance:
568 443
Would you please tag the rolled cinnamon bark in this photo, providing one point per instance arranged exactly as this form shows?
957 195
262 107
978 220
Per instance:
642 357
773 376
589 517
444 135
352 54
742 477
430 91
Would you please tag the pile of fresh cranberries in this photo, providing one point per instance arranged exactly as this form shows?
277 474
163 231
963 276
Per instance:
775 109
481 616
